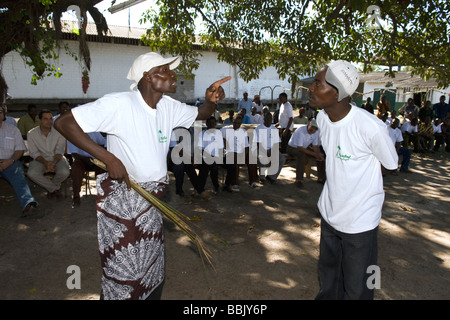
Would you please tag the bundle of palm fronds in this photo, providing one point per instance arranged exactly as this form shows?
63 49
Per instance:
171 213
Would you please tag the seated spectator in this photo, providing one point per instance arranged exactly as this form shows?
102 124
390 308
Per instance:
368 105
237 153
439 135
81 164
216 114
305 143
256 118
229 120
63 107
383 106
397 139
266 141
441 109
410 134
425 135
426 111
310 112
409 110
28 121
391 117
47 146
258 104
12 148
180 160
301 118
211 144
244 116
266 110
8 119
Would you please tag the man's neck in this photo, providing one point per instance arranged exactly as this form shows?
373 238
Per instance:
150 97
339 111
45 131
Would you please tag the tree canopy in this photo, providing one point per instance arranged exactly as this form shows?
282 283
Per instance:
33 29
295 36
299 36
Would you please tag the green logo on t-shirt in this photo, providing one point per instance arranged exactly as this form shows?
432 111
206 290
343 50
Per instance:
161 138
341 156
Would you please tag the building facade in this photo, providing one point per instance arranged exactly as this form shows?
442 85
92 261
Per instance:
111 58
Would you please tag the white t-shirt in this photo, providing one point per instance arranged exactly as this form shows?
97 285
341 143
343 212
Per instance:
211 141
237 140
286 112
353 194
436 129
395 134
301 138
267 136
137 134
256 119
408 127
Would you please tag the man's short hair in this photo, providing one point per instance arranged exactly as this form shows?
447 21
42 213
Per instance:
44 111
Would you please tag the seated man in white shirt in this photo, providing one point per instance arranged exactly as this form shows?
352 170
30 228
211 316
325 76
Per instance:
12 148
82 163
47 146
305 143
396 135
256 118
410 132
266 142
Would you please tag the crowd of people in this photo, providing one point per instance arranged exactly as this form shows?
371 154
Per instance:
355 142
415 129
51 159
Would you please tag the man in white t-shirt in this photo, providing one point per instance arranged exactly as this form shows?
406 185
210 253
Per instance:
211 145
410 132
355 143
285 120
265 143
396 136
236 152
304 143
138 125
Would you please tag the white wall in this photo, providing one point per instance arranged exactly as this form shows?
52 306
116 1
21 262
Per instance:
110 65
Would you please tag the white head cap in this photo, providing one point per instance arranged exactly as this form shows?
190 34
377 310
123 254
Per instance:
147 61
343 76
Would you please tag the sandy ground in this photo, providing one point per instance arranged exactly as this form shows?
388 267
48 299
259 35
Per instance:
265 241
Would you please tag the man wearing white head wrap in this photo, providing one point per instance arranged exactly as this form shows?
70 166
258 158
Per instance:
139 124
355 143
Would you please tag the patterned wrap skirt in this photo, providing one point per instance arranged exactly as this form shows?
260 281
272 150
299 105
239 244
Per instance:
131 239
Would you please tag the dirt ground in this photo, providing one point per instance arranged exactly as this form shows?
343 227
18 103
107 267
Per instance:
265 241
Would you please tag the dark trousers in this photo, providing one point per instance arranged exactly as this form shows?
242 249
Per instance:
80 165
213 170
301 161
179 170
252 169
343 263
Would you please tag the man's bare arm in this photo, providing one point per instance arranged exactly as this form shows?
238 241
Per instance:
69 128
